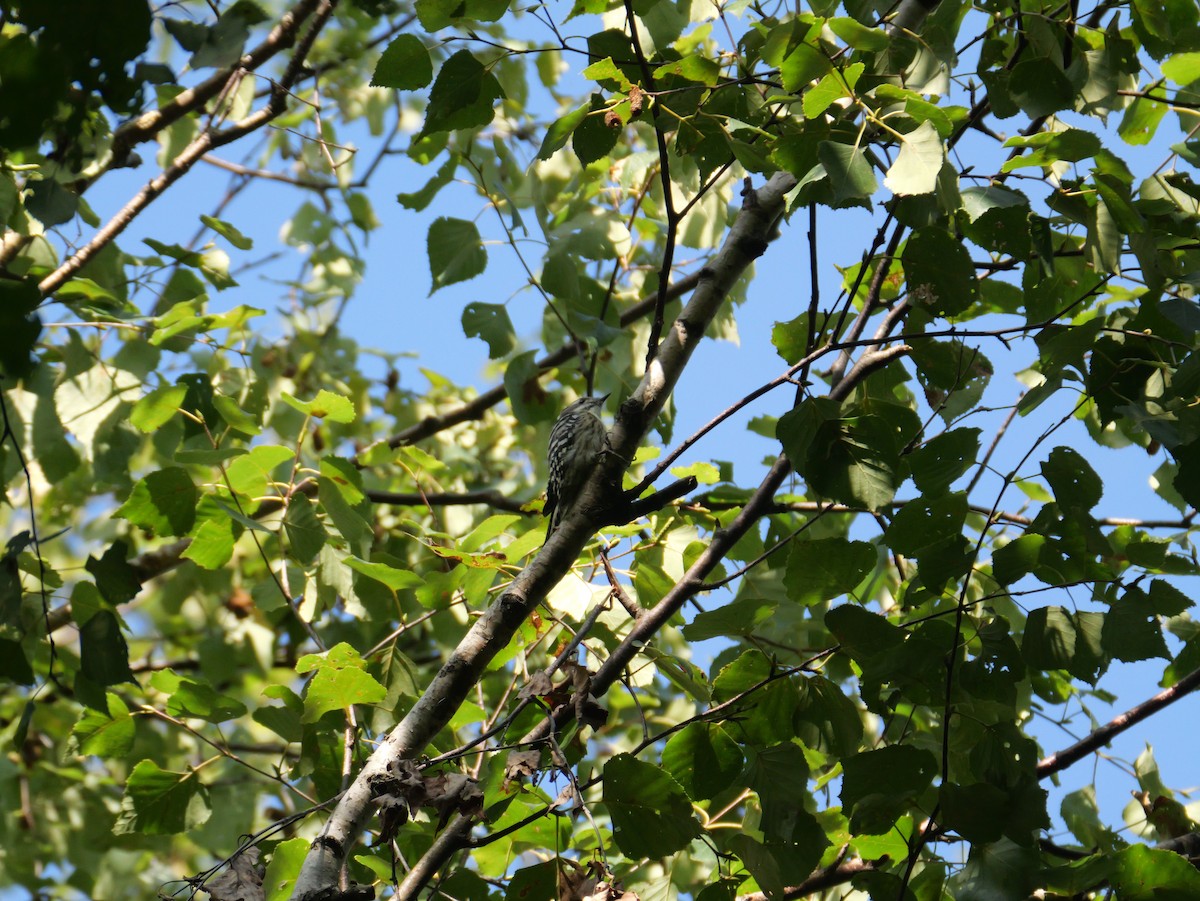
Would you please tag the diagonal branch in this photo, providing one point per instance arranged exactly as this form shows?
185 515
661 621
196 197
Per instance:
494 629
207 140
649 622
1101 736
431 425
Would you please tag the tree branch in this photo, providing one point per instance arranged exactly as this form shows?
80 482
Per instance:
493 630
475 409
490 497
191 154
1060 760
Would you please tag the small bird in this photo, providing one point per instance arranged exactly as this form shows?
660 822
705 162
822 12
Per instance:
576 441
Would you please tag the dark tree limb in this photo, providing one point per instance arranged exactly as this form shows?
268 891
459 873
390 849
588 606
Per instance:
1101 736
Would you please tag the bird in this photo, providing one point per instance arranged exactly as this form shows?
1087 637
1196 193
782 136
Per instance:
576 440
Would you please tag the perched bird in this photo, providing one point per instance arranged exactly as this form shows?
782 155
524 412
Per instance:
575 442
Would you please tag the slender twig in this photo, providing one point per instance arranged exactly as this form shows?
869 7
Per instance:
664 167
489 497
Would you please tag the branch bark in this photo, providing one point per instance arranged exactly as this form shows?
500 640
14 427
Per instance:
649 622
491 632
1101 736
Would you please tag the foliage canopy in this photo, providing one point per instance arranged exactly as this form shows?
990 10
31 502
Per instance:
275 609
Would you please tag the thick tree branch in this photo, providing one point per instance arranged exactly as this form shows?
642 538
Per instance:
649 622
493 630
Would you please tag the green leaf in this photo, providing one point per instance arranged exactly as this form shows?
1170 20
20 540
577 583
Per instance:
976 812
537 881
818 98
851 179
779 774
607 74
920 161
250 474
284 867
103 653
1149 874
803 64
924 524
1182 68
854 460
651 814
561 129
163 503
107 733
998 219
826 568
305 533
228 232
1165 26
14 667
740 617
161 802
393 578
692 67
859 36
157 408
285 719
405 65
352 520
939 272
704 473
703 759
1071 145
1018 558
462 96
213 537
939 462
1131 629
19 326
530 403
862 634
878 786
1074 483
51 203
336 688
836 721
1056 638
1040 86
456 252
116 579
593 139
326 405
191 698
419 200
490 322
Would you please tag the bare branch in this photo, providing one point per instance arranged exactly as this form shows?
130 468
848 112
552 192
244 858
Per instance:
1060 760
